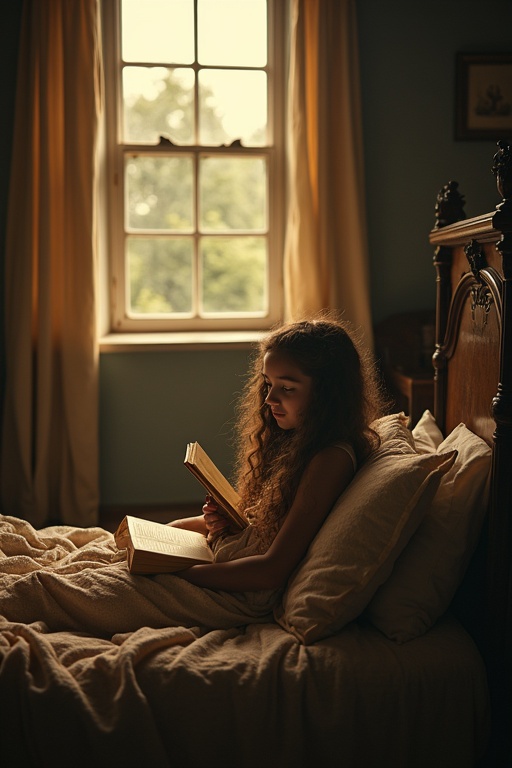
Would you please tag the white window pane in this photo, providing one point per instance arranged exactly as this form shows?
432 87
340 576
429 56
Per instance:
158 30
158 102
238 100
159 193
233 194
233 275
160 274
240 32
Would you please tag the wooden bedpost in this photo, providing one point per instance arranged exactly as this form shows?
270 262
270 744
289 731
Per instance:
484 241
449 209
500 523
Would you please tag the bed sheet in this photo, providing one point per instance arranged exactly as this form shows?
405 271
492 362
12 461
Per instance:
246 696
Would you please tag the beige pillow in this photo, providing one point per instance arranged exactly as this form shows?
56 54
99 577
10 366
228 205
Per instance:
395 432
429 571
354 551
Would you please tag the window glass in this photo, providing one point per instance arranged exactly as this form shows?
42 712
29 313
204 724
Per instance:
240 37
158 102
160 275
233 275
233 194
233 106
159 193
157 30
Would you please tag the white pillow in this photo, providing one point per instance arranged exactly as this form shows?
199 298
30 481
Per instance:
426 434
354 551
429 571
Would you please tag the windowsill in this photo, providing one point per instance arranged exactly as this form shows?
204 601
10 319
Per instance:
163 342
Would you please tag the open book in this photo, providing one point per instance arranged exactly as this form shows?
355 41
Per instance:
158 548
200 464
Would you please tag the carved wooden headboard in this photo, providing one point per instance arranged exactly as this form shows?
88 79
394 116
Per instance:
473 384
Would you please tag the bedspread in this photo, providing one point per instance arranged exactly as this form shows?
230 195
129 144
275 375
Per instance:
246 696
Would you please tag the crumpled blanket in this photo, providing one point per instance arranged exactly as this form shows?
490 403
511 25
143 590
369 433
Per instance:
77 634
76 579
126 688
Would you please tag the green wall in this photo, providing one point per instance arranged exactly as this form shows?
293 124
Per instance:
151 405
407 53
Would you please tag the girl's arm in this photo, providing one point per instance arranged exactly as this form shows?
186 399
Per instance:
212 523
196 524
324 479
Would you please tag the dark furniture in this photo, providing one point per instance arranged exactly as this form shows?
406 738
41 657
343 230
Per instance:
404 345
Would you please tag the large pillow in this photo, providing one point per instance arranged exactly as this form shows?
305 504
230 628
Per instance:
354 551
429 571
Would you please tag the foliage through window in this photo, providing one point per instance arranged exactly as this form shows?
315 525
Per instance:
194 135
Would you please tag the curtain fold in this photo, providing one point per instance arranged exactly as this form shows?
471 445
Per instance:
326 259
49 455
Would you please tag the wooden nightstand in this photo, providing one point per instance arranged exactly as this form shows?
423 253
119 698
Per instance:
404 344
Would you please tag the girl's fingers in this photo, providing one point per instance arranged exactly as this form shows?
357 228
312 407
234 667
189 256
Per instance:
217 528
212 516
215 521
216 524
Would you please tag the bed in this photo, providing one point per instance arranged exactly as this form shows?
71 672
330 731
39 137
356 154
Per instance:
391 645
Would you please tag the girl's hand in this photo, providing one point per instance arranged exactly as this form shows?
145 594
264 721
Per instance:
215 520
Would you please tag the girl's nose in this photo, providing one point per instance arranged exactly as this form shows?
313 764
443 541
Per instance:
271 398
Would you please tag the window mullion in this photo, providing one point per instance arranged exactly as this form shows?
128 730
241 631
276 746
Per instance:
197 240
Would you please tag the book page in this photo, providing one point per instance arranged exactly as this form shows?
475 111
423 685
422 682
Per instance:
166 540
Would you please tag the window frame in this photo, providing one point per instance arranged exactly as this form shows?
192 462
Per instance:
119 322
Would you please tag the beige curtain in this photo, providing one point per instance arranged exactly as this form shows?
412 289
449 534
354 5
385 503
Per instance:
49 459
325 263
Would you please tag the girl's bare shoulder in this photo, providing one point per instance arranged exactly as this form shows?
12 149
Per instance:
332 465
339 454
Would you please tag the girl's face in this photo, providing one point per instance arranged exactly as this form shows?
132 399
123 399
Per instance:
288 389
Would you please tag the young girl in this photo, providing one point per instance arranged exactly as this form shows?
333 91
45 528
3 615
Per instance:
303 429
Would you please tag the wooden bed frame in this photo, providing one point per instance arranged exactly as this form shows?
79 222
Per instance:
473 261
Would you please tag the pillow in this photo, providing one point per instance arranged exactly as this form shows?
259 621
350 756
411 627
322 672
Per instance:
429 571
426 434
356 547
394 431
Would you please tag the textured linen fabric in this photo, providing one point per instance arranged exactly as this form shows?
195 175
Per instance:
429 571
356 548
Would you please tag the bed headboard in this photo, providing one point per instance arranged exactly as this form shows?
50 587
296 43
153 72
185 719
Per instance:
473 384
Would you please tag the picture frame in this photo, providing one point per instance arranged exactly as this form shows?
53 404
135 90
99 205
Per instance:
483 96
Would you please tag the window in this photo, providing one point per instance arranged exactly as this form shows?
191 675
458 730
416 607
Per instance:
194 95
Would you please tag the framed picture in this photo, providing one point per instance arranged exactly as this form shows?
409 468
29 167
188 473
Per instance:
483 96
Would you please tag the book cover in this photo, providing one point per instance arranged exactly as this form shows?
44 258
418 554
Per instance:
200 464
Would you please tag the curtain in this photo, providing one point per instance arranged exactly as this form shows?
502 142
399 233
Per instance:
325 259
49 450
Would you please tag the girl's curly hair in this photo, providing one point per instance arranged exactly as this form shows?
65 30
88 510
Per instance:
345 398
